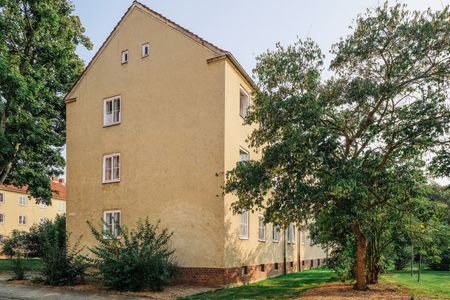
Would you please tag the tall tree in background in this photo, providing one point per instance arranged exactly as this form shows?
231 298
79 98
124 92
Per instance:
328 147
38 65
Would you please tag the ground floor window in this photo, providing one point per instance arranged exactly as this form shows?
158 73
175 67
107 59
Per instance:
111 221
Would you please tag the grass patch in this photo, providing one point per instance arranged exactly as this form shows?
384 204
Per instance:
432 283
29 264
282 287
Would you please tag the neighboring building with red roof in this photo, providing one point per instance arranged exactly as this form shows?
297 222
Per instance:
19 211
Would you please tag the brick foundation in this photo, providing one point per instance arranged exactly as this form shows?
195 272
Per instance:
220 277
312 263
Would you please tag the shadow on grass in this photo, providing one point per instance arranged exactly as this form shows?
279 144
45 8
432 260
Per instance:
282 287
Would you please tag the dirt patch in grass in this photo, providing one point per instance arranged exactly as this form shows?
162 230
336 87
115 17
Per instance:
339 290
170 292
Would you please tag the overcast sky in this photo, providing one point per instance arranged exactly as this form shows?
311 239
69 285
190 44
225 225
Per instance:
246 28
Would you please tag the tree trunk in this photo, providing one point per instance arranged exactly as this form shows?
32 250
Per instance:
360 258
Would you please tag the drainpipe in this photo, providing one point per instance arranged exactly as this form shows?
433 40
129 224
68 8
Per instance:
298 248
284 251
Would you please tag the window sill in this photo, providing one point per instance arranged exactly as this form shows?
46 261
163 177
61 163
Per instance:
111 181
262 241
276 241
112 124
243 238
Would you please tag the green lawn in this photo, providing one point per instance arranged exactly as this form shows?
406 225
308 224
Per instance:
432 283
29 264
282 287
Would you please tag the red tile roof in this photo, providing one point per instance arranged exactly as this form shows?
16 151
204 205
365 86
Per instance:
58 189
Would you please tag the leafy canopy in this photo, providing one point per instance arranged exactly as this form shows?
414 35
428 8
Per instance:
38 66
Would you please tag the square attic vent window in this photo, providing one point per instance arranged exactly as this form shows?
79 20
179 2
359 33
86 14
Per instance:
145 50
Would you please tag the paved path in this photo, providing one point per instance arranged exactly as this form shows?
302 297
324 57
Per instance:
13 291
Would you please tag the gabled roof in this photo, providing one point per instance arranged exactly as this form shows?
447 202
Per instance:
217 52
57 185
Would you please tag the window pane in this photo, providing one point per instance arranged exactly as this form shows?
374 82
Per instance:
116 174
108 168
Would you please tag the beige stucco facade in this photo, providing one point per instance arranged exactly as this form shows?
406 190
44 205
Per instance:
180 131
15 202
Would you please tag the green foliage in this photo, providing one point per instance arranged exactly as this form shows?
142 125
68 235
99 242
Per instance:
139 259
32 241
18 268
350 152
38 66
61 265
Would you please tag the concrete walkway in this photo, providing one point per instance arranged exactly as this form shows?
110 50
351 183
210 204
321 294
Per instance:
13 291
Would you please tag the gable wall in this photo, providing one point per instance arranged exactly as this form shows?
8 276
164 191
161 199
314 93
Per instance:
171 139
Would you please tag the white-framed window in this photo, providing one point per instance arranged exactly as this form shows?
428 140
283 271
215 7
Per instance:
2 198
61 206
42 205
244 102
111 168
275 233
22 220
302 236
111 222
124 57
244 221
23 200
261 229
145 50
290 233
112 111
243 155
2 218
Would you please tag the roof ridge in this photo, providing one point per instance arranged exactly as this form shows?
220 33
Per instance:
183 29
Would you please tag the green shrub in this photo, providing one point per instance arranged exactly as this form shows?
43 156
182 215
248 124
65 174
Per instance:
139 259
61 265
18 268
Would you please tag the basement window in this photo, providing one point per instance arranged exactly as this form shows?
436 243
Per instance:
244 270
275 267
244 101
124 57
145 50
262 267
291 264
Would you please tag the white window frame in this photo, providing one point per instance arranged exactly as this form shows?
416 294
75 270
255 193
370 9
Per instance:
42 205
107 123
124 57
244 222
242 152
2 198
290 233
2 221
243 111
302 237
112 156
61 206
105 223
22 220
275 229
261 229
144 46
24 202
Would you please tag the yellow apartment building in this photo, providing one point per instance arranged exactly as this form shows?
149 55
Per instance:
19 211
153 124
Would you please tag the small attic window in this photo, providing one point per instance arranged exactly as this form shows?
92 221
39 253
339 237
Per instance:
145 50
124 57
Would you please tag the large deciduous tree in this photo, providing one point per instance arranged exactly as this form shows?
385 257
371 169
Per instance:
38 65
328 147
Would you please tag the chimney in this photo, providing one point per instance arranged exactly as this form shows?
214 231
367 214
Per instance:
55 179
61 180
